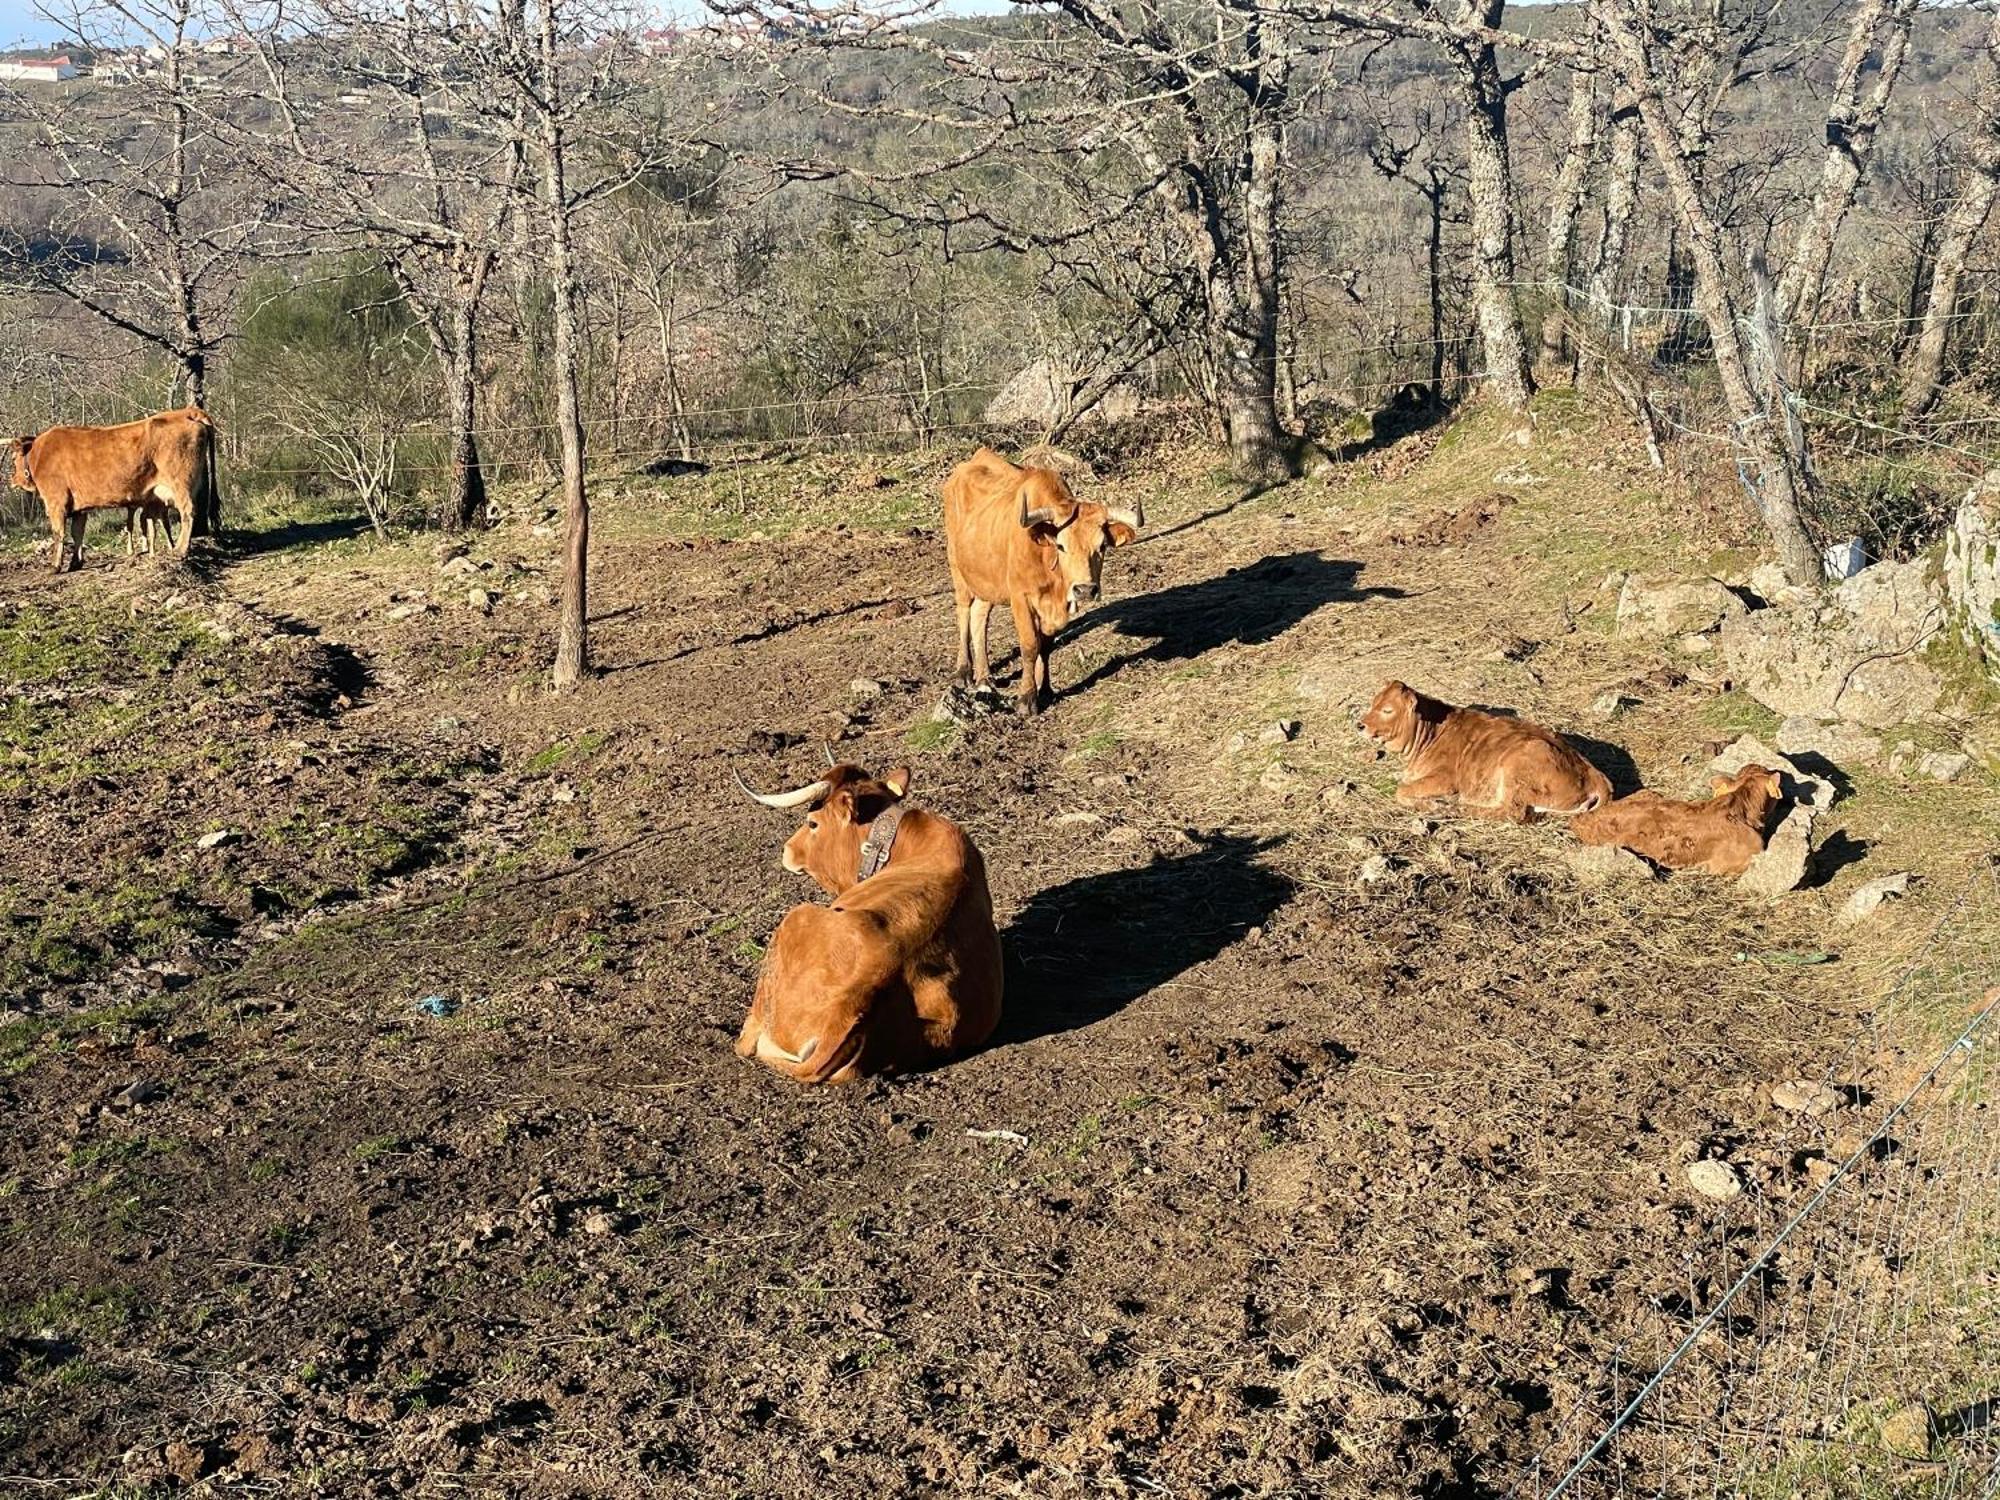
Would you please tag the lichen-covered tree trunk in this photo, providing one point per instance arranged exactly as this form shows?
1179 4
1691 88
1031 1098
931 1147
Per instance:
1851 126
1924 375
1565 203
1621 198
1490 184
1782 479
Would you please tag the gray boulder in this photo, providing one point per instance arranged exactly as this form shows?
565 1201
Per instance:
1854 653
1971 570
1801 787
1831 739
1656 609
1783 863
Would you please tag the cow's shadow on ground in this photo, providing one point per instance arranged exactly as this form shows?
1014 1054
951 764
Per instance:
1245 606
1084 950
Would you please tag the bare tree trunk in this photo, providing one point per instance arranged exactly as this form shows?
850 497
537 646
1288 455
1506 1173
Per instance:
1851 125
573 624
1246 312
1781 474
1925 372
1621 199
1490 182
1434 278
1565 202
465 496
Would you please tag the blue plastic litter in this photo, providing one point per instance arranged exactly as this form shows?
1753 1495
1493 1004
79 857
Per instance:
438 1005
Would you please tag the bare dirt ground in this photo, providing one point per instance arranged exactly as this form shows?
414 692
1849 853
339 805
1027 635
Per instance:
1273 1182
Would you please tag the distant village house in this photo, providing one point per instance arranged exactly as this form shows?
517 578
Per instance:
36 70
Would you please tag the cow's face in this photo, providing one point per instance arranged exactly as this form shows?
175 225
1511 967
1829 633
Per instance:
828 846
1392 717
21 479
1078 536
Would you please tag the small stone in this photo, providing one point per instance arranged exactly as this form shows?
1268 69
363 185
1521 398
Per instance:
1611 705
218 838
1909 1431
1374 870
1836 740
1714 1179
1281 733
480 599
865 687
1819 1171
1603 863
600 1223
1870 896
1902 755
1695 645
1340 791
458 566
1943 765
139 1091
1280 778
1237 743
1782 864
1073 819
1806 1096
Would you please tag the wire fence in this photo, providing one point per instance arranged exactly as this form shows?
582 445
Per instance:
1832 1326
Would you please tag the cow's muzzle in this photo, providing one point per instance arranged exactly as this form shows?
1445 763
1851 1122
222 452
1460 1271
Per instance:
1081 597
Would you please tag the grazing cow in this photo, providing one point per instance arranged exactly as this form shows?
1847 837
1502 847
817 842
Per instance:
1721 835
1497 767
1018 537
160 463
903 969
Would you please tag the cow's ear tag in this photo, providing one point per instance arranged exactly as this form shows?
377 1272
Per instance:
898 782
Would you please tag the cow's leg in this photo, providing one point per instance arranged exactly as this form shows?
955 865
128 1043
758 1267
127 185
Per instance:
183 504
1028 694
981 615
75 526
1044 694
58 538
134 519
962 596
1424 788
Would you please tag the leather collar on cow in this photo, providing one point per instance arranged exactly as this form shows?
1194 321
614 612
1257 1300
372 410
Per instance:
880 840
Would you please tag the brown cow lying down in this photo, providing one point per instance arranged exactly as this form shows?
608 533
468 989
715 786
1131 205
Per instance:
1722 834
1497 767
1018 537
160 463
903 969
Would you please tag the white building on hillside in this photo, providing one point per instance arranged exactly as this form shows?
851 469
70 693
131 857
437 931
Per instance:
37 70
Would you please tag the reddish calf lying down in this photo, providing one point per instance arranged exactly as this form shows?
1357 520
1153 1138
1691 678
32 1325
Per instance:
1722 834
903 969
1496 767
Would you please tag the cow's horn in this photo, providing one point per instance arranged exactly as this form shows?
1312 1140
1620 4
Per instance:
783 800
1041 516
1135 517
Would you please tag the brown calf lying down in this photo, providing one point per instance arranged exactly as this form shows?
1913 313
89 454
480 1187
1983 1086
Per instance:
1496 767
903 969
159 463
1722 834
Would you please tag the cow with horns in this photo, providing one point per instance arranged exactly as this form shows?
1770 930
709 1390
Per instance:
902 971
1017 537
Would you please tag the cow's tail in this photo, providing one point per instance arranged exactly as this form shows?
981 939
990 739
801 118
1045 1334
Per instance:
207 498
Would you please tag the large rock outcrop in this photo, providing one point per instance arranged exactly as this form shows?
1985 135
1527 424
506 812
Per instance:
1854 653
1971 571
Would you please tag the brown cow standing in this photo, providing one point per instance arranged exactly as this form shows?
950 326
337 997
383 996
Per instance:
1721 835
1018 537
160 463
903 969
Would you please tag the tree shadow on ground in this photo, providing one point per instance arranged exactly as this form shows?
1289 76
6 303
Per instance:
236 545
1084 950
1244 606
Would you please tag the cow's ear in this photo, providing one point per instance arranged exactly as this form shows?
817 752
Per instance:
898 782
1121 535
1775 785
1718 785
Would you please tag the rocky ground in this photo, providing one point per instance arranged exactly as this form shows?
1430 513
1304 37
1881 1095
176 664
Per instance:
372 1123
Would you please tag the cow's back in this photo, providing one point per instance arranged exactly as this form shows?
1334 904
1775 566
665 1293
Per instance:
982 521
99 466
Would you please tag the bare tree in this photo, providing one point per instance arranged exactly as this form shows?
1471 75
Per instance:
151 223
360 102
1979 186
1852 123
1566 202
1475 64
1764 429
